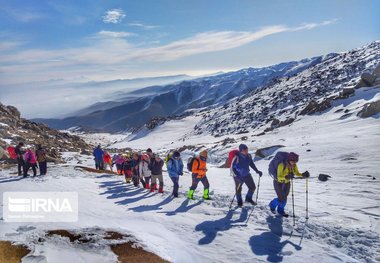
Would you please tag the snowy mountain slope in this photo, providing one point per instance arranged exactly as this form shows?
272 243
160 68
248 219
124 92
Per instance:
284 98
136 108
344 224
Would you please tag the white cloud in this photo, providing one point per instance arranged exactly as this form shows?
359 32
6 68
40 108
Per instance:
114 34
111 51
141 25
9 45
22 15
114 16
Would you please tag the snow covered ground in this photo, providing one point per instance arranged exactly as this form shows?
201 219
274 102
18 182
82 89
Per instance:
344 224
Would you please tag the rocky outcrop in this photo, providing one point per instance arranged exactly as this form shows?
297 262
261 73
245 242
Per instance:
369 79
314 107
370 109
14 129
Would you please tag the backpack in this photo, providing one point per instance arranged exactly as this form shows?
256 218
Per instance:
280 157
168 156
190 162
231 156
12 152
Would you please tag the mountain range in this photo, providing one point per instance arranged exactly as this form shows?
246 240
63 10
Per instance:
282 84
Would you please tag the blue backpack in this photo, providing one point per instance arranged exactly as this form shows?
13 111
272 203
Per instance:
280 157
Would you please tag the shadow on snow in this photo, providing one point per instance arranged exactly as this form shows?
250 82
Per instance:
269 243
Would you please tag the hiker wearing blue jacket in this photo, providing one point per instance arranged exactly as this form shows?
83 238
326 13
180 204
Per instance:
175 170
98 154
240 170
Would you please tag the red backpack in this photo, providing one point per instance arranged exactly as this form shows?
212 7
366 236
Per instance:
231 156
12 152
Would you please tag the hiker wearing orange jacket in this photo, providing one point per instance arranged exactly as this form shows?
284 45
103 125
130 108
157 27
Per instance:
199 171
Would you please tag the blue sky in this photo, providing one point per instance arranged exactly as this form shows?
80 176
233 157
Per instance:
90 40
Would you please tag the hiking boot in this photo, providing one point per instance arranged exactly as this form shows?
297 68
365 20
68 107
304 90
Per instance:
284 214
190 194
206 194
152 190
248 200
240 203
160 190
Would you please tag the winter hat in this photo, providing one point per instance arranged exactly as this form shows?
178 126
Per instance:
293 157
176 154
203 153
149 150
243 147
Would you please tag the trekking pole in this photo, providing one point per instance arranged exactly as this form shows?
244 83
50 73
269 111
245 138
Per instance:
233 198
307 210
257 197
294 216
307 198
258 188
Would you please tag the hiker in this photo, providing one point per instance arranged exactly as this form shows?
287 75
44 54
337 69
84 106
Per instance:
149 152
98 154
155 166
20 158
114 158
127 168
107 159
175 170
283 168
198 169
240 171
144 170
30 162
41 158
136 159
119 164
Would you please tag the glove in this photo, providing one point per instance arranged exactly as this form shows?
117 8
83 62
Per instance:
289 176
260 173
306 174
181 173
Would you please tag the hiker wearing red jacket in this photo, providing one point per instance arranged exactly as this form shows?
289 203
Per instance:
107 159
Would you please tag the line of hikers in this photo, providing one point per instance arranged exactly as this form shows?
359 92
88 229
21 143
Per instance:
29 158
146 168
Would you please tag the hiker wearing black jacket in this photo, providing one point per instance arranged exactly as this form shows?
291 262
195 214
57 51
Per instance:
155 166
20 158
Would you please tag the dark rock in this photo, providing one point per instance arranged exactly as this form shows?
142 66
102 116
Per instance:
360 84
347 92
268 129
370 109
323 177
314 107
275 123
368 78
376 72
286 122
